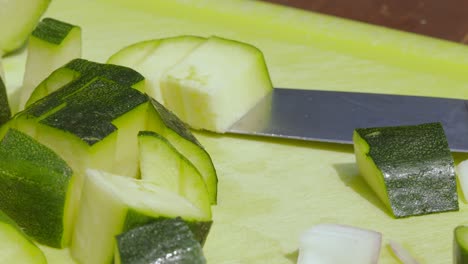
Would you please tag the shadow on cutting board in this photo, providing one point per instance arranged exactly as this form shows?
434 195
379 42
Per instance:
349 174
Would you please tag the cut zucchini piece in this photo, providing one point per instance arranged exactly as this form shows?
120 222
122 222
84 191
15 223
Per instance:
179 135
84 122
163 165
460 245
166 242
21 16
113 204
86 105
15 246
5 112
153 57
35 188
410 168
79 72
51 45
216 84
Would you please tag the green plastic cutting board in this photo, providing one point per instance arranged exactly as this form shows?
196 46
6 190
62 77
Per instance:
270 191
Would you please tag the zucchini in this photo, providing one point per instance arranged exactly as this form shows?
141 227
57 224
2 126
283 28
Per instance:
15 246
163 165
165 123
78 72
54 42
35 187
113 204
460 245
21 16
92 116
216 84
84 122
410 168
167 241
153 57
5 111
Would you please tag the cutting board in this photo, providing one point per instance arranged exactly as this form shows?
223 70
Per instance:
271 190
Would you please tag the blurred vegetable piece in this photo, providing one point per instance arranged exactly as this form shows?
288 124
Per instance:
25 14
332 243
15 246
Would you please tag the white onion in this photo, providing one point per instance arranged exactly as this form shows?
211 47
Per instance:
336 244
401 253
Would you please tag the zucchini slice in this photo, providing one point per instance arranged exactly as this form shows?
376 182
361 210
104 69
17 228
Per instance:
5 111
113 204
15 246
216 84
165 123
25 14
167 241
460 245
54 42
163 165
410 168
153 57
35 187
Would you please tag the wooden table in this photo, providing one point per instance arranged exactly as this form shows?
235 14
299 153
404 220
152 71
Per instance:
442 19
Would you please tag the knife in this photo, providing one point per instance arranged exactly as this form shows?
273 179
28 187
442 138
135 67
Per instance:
331 116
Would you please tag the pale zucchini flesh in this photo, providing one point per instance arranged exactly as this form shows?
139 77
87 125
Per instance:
216 84
167 124
108 200
153 57
52 41
163 165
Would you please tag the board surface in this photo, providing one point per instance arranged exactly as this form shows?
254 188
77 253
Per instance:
270 191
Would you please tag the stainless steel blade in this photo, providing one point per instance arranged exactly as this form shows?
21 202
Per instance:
330 116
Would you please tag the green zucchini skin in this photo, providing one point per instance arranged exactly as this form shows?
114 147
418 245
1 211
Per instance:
189 146
52 30
33 187
416 165
200 229
5 111
167 241
85 71
172 122
86 111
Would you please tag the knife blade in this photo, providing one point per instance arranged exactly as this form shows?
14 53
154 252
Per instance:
331 116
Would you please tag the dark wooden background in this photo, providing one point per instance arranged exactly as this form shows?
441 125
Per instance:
445 19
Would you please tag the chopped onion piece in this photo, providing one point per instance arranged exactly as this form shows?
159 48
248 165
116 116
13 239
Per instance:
462 173
401 253
332 243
